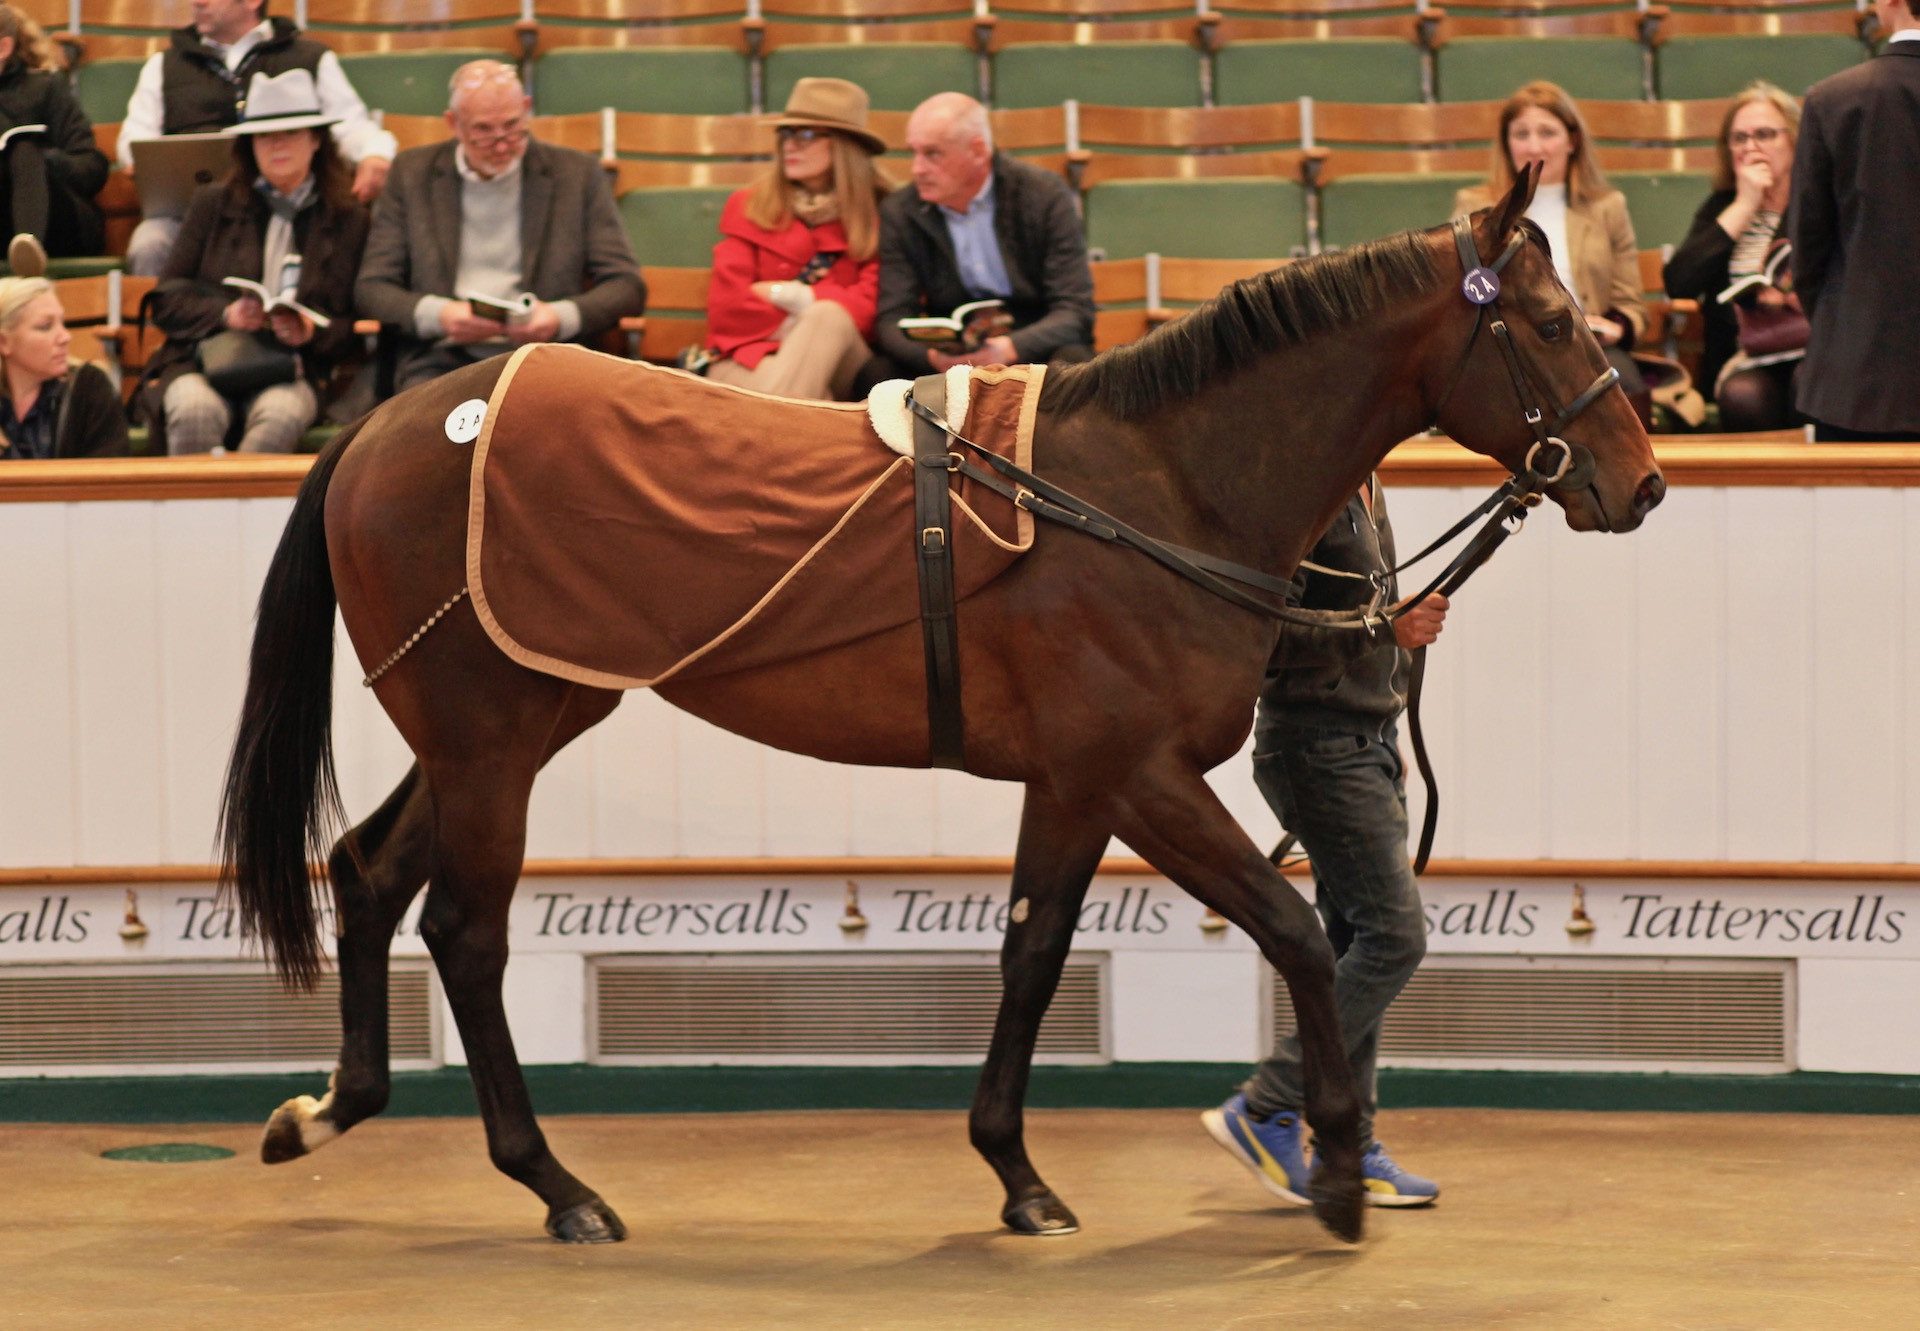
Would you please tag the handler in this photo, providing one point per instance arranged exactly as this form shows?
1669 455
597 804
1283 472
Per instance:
1327 757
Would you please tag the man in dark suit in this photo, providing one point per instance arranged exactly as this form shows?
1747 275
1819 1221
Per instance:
493 214
1856 192
975 225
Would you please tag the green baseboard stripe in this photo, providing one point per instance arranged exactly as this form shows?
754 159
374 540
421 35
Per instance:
581 1089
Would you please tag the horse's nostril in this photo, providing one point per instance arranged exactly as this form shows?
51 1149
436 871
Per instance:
1649 493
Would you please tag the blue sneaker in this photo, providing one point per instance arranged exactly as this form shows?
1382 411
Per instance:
1389 1185
1274 1149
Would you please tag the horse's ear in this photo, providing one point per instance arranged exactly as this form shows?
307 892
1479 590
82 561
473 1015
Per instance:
1514 207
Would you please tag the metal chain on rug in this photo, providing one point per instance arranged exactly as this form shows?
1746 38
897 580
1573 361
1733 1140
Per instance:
418 634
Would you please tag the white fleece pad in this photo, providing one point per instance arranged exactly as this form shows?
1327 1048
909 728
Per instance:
887 408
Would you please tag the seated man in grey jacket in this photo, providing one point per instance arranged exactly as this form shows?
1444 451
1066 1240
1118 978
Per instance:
496 216
974 225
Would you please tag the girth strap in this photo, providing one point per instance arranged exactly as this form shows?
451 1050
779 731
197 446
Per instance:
933 553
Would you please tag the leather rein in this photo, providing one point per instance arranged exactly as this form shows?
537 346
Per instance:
1504 510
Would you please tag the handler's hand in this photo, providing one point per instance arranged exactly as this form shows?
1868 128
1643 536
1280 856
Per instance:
1422 624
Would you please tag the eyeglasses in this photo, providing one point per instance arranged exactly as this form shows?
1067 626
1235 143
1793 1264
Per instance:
486 138
802 134
1740 138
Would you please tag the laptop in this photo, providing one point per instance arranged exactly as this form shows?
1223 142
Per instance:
167 171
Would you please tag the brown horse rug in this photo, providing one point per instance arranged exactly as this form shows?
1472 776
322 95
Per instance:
630 524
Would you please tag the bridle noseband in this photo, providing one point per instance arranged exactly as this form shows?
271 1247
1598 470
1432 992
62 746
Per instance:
1573 468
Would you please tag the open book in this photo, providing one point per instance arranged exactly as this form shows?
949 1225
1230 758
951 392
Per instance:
1775 272
501 311
271 302
6 139
970 325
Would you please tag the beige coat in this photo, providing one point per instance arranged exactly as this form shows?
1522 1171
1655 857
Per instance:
1605 258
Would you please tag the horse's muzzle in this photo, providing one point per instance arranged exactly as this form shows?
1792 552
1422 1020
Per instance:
1648 494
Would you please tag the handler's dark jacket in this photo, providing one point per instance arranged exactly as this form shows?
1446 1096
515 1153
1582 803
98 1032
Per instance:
199 93
1041 241
1345 679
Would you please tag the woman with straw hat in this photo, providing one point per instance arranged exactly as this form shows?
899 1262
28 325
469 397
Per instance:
796 273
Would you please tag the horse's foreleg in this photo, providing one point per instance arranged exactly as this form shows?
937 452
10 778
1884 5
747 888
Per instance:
480 825
395 853
1174 820
1057 855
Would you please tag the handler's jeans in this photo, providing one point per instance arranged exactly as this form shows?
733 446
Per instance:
1343 793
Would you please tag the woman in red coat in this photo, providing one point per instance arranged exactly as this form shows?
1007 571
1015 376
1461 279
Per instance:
797 272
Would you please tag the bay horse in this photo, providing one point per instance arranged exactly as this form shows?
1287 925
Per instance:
1103 683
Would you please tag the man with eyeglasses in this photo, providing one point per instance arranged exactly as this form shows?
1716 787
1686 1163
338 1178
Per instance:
494 239
1856 191
973 225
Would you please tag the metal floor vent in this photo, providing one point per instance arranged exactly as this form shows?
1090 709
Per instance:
1612 1014
203 1017
898 1008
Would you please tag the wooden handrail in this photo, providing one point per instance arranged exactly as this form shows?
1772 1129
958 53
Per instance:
1697 460
847 866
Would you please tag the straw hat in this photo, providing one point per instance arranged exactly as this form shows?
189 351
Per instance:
833 104
280 102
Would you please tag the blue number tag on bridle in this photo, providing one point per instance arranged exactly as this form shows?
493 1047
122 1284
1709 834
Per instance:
1481 286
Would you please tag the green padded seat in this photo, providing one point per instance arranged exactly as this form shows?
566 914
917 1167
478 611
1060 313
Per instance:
1342 69
681 80
91 265
1366 207
1722 66
1488 69
105 87
408 83
1661 203
673 228
1104 74
1197 219
898 76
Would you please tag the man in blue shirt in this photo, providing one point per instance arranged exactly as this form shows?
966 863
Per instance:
977 225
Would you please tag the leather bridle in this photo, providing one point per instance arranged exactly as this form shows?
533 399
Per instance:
1480 284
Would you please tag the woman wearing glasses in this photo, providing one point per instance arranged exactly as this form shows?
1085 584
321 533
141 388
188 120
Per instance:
797 271
1756 336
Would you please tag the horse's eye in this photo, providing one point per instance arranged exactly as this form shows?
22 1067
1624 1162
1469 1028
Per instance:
1551 330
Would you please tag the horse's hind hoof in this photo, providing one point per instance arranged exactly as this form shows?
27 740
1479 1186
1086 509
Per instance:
1341 1207
294 1131
1045 1216
589 1222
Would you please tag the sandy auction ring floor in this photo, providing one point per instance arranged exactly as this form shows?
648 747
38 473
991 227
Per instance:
886 1220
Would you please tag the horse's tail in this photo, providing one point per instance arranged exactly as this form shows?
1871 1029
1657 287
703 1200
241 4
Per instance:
280 799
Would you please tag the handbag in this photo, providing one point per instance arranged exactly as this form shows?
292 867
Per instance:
1770 330
238 364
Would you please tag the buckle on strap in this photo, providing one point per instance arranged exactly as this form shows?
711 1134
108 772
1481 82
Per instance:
933 540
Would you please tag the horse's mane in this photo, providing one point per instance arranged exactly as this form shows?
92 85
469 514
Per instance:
1254 316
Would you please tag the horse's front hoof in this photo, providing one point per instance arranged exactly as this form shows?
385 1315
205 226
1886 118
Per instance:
1045 1216
1341 1204
589 1222
294 1131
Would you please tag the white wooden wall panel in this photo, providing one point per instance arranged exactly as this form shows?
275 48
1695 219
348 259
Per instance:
1769 644
1858 763
636 792
1731 682
1590 689
116 696
38 785
1678 721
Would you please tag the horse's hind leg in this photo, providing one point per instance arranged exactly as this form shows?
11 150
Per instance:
1170 816
395 846
1057 855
